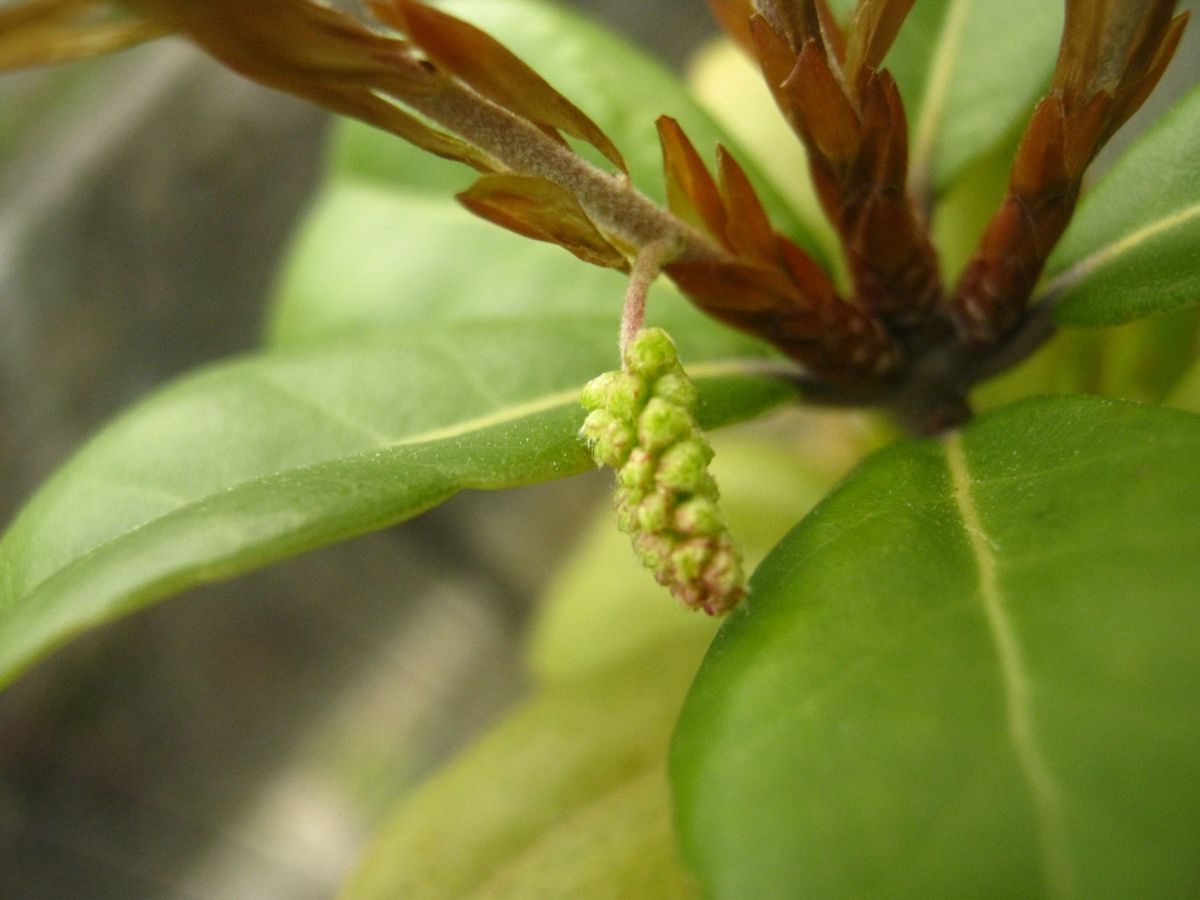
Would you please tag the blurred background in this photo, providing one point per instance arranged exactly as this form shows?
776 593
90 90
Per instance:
241 740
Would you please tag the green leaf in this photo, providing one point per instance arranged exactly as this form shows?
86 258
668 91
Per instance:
1131 250
567 797
970 671
259 459
970 73
369 256
620 86
1186 394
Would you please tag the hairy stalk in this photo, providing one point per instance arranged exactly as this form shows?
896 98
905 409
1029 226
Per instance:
646 268
610 200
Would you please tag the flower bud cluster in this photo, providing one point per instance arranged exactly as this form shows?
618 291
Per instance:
642 423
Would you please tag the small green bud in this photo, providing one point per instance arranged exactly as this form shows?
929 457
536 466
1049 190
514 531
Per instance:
651 353
684 467
690 558
661 424
626 395
627 517
654 513
653 550
677 389
724 581
595 393
609 438
698 516
596 423
638 471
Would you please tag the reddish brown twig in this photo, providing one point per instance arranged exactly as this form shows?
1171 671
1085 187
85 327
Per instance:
1112 55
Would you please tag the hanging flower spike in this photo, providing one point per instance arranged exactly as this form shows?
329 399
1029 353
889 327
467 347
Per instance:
642 423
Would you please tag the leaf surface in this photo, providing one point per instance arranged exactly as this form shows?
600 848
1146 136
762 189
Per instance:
971 669
368 256
1133 248
259 459
970 72
567 797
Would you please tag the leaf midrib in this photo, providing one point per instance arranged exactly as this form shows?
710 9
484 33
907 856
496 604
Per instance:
1043 787
1114 250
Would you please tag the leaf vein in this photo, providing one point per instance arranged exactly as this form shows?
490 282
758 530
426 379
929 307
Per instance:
937 91
1101 257
1043 787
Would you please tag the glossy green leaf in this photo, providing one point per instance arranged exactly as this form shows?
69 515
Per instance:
566 798
621 87
259 459
971 671
1133 248
970 73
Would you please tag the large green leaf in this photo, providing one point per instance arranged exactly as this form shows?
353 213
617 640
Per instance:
1131 250
970 72
259 459
971 671
618 85
566 798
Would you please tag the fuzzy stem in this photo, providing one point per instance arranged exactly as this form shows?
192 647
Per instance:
609 200
646 268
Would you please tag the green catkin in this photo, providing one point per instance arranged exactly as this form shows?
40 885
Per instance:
642 423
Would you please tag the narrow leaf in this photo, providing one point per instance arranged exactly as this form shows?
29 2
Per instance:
497 73
256 460
975 658
542 210
1131 249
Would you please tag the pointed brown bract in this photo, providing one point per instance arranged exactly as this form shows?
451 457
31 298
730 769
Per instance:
774 289
748 231
55 31
544 211
493 70
1111 57
692 194
876 24
851 120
